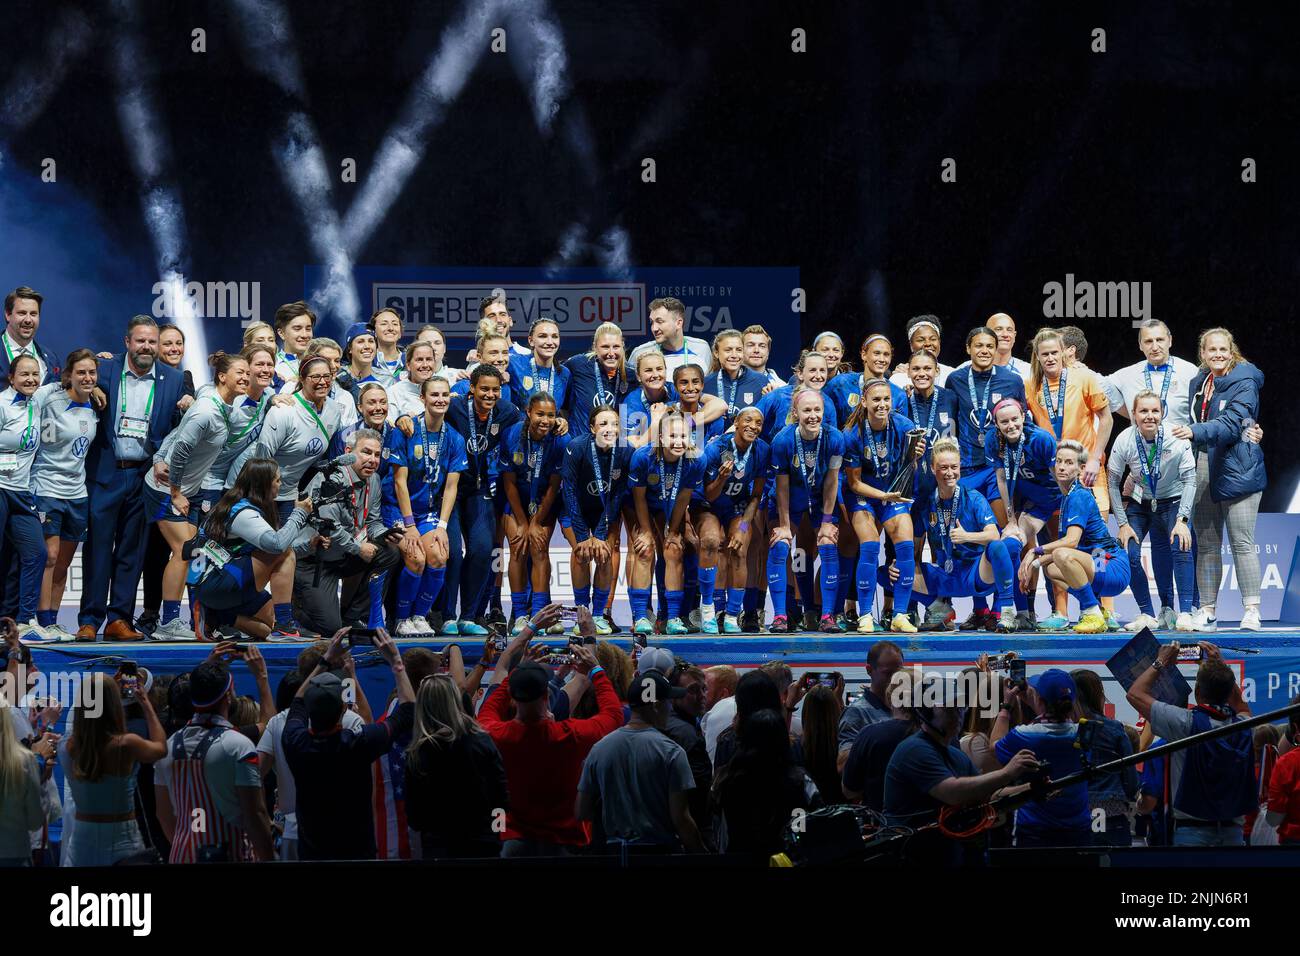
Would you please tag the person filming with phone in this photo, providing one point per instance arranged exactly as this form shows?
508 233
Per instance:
346 541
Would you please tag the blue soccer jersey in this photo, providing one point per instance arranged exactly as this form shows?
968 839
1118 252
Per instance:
533 462
976 394
967 509
845 393
591 387
880 454
775 406
807 463
663 481
593 483
747 468
1079 509
527 379
429 457
744 390
1031 461
482 438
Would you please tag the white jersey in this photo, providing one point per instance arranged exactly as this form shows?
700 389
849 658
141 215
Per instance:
20 436
386 372
193 445
67 429
1172 380
296 436
693 350
286 367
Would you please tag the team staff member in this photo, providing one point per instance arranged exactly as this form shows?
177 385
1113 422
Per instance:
729 378
532 453
406 397
1086 558
296 436
22 321
358 555
735 475
294 322
970 558
389 359
1024 457
20 436
845 390
598 378
178 506
68 424
924 333
662 479
359 349
1160 371
246 548
141 395
758 348
806 459
425 469
433 337
1162 504
875 449
667 321
539 371
594 484
329 350
481 418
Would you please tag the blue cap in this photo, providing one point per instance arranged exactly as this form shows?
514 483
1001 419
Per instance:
1054 686
355 330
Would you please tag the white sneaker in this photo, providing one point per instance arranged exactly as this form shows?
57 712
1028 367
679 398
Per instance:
33 633
1203 622
1250 619
173 630
59 633
1141 621
695 619
413 627
1186 621
1168 619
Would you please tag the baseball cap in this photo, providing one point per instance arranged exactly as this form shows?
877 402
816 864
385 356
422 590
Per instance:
650 687
324 698
356 330
655 658
529 681
1054 686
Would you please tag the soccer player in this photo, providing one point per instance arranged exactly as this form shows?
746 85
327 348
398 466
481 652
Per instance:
845 390
729 378
811 371
599 378
539 371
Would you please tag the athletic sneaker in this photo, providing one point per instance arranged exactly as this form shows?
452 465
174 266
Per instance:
1025 621
413 627
901 624
559 629
780 625
60 633
750 622
449 628
842 622
173 630
812 621
475 629
710 626
976 620
644 626
730 625
521 622
1057 622
1141 621
284 632
1250 618
602 625
1168 620
1091 622
677 626
866 624
1203 622
1186 621
1007 621
696 620
1112 622
33 633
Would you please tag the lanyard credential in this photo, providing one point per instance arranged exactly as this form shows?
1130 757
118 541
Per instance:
148 408
1055 414
311 410
1164 384
1149 460
603 486
946 520
808 483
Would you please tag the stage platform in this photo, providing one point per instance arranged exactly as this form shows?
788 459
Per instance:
1267 661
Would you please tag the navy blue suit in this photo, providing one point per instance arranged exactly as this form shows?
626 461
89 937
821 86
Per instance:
113 556
52 368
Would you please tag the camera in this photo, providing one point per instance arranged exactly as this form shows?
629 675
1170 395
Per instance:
1194 654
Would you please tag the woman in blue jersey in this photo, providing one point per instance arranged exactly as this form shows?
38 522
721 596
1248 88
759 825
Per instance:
176 504
1086 559
245 549
540 371
424 476
729 378
811 372
594 481
688 383
735 475
1024 457
68 426
970 559
598 378
845 390
663 478
531 457
875 446
832 346
494 351
389 360
20 436
646 404
806 460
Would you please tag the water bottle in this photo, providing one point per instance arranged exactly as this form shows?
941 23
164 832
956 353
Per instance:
1246 426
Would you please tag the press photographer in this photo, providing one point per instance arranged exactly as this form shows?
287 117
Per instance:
345 540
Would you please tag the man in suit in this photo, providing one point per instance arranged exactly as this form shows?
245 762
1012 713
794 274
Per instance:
22 320
142 393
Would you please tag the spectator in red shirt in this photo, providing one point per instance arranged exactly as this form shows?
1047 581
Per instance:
543 757
1284 788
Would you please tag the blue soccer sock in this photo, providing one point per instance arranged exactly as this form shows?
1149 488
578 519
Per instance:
46 618
408 582
1004 575
905 558
640 601
673 602
430 586
540 600
376 587
1014 556
830 577
171 610
776 576
708 582
736 600
979 603
868 559
519 603
582 596
1087 600
600 597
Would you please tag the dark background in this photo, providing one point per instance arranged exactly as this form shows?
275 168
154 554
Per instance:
1122 166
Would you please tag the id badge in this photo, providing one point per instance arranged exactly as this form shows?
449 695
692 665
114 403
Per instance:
128 427
8 461
217 555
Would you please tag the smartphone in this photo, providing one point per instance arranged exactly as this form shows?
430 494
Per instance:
569 615
1192 653
1017 672
560 659
361 637
129 669
828 679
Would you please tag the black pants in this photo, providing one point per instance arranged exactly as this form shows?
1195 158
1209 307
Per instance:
319 608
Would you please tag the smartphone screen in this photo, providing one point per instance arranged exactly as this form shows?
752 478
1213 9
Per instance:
1192 653
361 637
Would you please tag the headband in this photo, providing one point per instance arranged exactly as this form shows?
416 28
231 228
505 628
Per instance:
872 338
831 335
1008 401
205 705
924 322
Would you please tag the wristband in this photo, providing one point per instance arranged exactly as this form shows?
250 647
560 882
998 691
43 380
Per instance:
433 525
398 667
1038 551
408 520
595 670
1156 665
744 526
828 519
